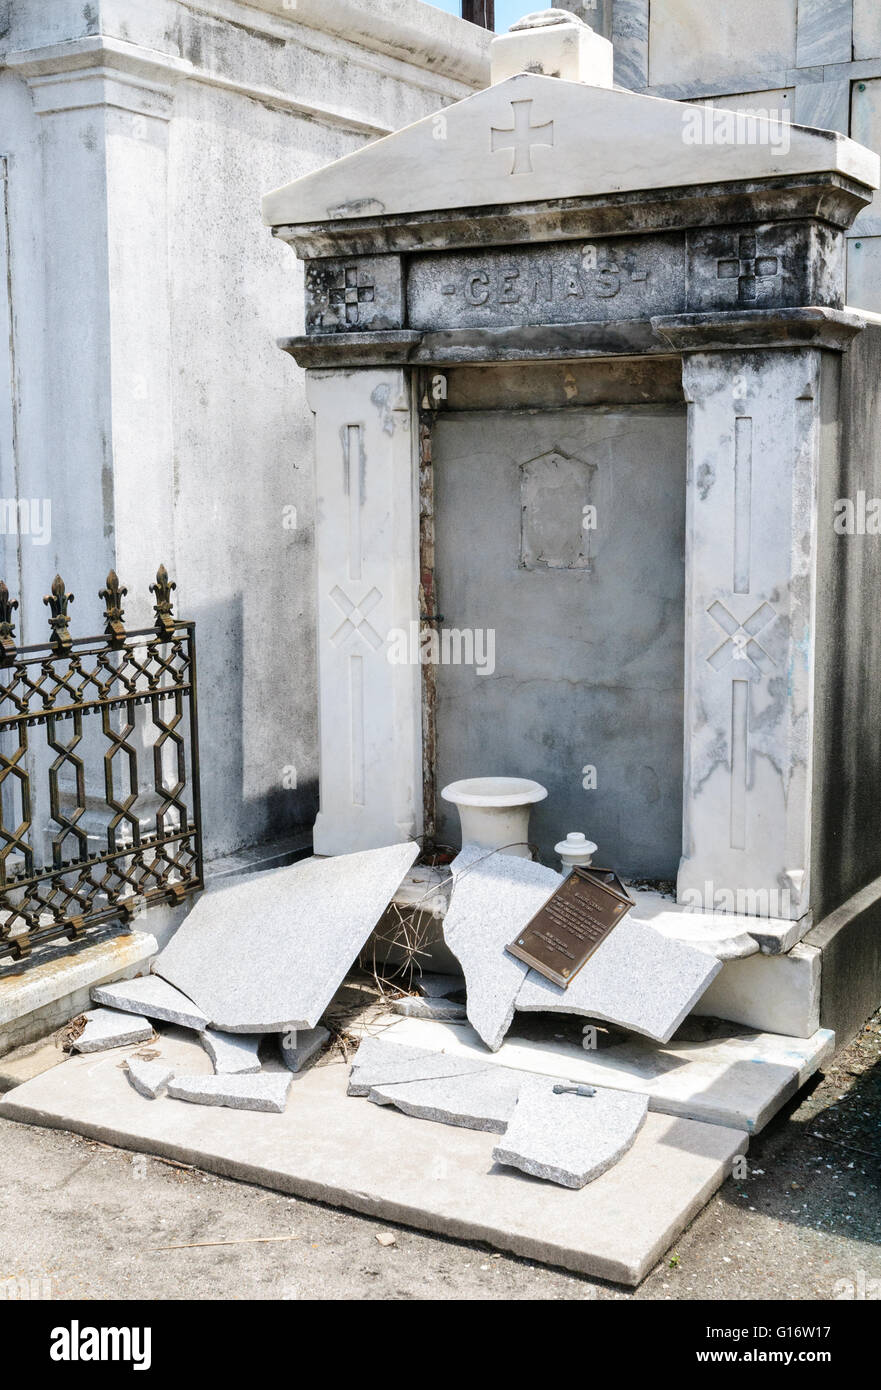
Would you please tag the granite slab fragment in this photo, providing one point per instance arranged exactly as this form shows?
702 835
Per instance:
739 1082
269 953
377 1161
493 897
445 1009
154 998
148 1078
378 1063
637 978
112 1028
482 1100
569 1139
305 1043
267 1090
232 1053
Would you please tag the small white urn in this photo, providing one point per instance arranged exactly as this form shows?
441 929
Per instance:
575 849
495 811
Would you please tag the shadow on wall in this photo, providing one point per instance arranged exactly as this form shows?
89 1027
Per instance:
239 729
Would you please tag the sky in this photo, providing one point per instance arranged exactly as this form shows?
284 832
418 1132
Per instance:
507 11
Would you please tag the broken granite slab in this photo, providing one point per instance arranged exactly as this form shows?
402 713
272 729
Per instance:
637 978
566 1138
382 1063
269 953
482 1100
493 897
304 1044
233 1054
265 1090
739 1081
148 1078
447 1010
111 1028
154 998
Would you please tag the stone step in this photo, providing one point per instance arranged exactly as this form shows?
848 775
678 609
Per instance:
330 1147
739 1081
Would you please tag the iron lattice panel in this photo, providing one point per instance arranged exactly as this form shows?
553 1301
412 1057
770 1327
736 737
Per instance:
100 858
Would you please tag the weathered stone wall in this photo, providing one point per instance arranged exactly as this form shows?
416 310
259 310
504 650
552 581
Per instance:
819 61
847 740
147 399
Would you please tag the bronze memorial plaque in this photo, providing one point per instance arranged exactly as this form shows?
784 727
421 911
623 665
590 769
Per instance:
574 921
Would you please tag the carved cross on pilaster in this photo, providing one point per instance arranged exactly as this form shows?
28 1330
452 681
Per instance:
350 294
747 267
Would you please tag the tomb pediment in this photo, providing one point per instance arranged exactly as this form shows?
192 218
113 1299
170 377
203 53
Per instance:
533 138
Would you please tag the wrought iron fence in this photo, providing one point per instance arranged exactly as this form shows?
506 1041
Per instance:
109 843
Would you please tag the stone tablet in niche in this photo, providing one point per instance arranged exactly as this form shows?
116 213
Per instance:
556 513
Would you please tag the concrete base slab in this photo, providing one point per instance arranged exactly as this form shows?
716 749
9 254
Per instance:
328 1147
56 983
740 1081
29 1061
778 994
849 942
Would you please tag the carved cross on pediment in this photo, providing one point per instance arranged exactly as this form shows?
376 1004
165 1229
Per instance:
747 267
523 136
351 293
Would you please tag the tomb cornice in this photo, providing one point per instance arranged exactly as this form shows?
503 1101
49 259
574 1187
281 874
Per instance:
828 197
663 335
99 71
809 327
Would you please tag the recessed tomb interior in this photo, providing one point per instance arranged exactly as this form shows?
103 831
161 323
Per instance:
559 519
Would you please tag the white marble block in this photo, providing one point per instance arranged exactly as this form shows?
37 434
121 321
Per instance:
370 788
754 442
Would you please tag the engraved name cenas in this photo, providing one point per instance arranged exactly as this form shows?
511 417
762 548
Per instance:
588 274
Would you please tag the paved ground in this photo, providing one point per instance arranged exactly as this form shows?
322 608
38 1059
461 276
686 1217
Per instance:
83 1220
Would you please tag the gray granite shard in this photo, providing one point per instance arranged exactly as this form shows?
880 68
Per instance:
482 1100
148 1078
377 1063
493 897
637 978
305 1044
439 986
154 998
447 1010
110 1028
269 953
266 1090
231 1053
569 1139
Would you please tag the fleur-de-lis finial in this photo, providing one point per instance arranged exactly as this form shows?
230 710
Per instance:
162 607
7 627
58 600
113 595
